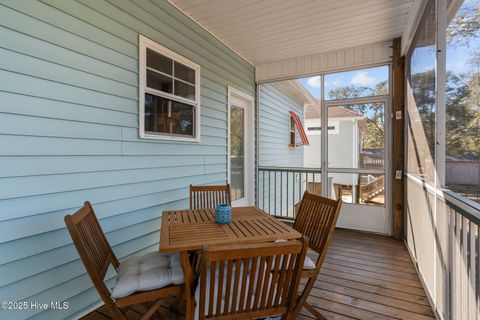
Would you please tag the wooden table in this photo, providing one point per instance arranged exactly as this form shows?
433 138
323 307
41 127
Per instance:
189 230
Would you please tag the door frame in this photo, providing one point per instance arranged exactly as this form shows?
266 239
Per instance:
235 94
386 100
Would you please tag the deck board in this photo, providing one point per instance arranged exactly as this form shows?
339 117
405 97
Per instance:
365 276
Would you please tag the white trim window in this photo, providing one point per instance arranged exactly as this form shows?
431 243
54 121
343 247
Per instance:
169 94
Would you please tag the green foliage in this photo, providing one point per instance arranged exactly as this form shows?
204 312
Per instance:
373 133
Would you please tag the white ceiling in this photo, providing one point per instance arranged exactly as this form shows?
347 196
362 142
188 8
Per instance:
263 31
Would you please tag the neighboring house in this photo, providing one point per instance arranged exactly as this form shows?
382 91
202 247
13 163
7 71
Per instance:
462 175
275 103
344 132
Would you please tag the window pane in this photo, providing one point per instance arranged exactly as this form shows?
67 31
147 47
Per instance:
158 81
421 95
159 62
237 152
167 116
185 90
462 163
358 188
185 73
358 138
358 83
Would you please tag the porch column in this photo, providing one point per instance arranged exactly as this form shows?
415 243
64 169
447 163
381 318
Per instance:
398 95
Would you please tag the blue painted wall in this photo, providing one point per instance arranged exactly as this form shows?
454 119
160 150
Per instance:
274 127
69 133
274 137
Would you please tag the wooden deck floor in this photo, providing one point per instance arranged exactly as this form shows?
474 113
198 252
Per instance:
364 277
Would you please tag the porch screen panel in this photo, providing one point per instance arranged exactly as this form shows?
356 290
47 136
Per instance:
462 136
420 209
421 94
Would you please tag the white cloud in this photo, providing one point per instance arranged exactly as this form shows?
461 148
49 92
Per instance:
314 82
335 82
363 79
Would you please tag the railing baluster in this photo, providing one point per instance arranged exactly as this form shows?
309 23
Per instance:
282 189
293 192
281 193
464 278
275 193
313 183
263 199
287 194
477 254
269 191
472 284
299 187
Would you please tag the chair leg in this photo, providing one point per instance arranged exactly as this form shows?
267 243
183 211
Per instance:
189 278
302 300
116 313
152 310
175 305
313 311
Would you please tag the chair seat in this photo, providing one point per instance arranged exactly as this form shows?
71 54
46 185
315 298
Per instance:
308 264
149 272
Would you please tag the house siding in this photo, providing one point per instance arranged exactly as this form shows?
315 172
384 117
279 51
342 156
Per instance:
69 133
274 124
342 144
274 137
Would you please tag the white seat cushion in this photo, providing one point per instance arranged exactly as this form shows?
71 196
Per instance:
308 264
149 272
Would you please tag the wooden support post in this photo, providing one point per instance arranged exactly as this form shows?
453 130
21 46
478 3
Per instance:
398 109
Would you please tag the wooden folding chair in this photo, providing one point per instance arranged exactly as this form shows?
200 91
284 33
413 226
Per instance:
203 197
250 281
316 219
97 256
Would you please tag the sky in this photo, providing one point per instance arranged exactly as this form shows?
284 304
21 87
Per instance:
458 57
458 54
358 78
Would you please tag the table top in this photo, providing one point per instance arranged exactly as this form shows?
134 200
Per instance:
183 230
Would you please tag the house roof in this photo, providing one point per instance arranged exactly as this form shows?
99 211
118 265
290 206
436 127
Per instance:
297 91
312 111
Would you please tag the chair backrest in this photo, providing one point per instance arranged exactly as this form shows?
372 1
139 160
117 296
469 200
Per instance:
205 197
92 246
250 281
316 219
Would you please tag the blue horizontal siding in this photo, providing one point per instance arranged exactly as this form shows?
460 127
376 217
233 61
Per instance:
274 127
274 137
69 133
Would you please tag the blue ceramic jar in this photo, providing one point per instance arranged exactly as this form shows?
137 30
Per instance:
223 214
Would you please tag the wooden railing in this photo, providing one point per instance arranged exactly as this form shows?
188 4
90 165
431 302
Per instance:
463 290
371 160
373 188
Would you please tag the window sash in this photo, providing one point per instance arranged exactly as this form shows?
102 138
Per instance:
144 44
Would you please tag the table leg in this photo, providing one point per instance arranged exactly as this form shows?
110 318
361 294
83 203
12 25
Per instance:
189 279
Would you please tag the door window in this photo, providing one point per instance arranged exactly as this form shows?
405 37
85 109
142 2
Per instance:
237 152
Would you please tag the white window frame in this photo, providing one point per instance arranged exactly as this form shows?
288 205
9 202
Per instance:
143 44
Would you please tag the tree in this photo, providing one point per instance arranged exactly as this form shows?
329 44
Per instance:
374 113
463 88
